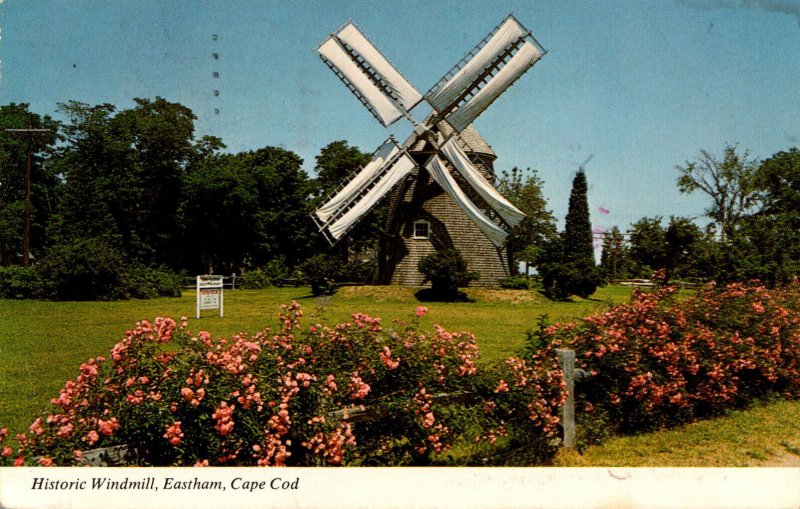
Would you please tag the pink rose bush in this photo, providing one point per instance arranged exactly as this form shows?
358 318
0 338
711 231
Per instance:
354 393
662 360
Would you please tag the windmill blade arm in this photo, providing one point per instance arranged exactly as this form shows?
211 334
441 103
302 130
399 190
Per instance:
341 62
458 158
401 167
527 55
438 171
405 93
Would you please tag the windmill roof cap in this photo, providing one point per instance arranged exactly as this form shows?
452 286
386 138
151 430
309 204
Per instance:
472 139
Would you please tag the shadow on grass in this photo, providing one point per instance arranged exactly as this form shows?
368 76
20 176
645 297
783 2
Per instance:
428 295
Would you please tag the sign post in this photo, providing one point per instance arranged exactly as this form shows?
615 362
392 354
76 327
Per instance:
209 294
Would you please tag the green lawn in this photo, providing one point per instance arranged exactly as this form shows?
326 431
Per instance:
765 435
43 343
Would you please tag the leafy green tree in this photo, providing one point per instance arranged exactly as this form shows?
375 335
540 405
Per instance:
124 173
243 210
647 246
527 239
45 184
680 239
615 261
729 182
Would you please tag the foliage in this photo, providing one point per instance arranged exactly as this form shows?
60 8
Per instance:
615 259
243 210
447 271
525 192
17 282
729 182
515 283
293 396
321 272
85 269
568 266
659 361
124 175
271 274
145 282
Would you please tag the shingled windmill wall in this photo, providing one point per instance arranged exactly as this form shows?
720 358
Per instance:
421 198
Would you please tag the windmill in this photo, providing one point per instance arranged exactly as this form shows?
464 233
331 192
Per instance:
438 182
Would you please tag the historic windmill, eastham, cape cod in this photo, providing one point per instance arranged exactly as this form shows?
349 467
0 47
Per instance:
439 182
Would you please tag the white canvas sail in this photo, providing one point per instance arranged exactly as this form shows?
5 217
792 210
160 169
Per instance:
441 175
407 95
384 109
401 167
453 152
527 55
350 191
508 33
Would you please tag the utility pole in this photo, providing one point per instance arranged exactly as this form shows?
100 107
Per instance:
26 215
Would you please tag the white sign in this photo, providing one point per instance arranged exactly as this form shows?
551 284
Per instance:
209 294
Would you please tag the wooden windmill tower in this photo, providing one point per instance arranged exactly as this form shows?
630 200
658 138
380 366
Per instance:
439 182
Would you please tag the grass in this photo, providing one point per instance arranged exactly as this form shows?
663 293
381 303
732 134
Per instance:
43 343
763 435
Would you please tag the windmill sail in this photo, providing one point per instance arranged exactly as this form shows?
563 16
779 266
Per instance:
453 152
406 95
466 113
397 168
436 167
449 91
369 75
364 176
495 64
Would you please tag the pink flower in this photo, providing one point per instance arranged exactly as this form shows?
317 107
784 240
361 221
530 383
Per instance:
174 433
421 310
502 386
92 437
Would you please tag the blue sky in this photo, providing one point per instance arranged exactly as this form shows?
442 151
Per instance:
641 86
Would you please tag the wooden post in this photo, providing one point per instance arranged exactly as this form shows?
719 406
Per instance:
566 359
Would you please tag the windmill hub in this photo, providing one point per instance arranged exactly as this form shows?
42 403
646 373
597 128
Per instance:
439 182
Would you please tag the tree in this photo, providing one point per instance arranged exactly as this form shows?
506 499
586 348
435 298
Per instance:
729 182
615 257
647 246
569 266
680 239
124 174
243 210
773 231
527 239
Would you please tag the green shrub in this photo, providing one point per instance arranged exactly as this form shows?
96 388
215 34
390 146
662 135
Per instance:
150 282
17 282
447 271
85 269
271 274
515 283
321 272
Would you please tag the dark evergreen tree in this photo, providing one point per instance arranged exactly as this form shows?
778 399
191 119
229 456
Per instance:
576 272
